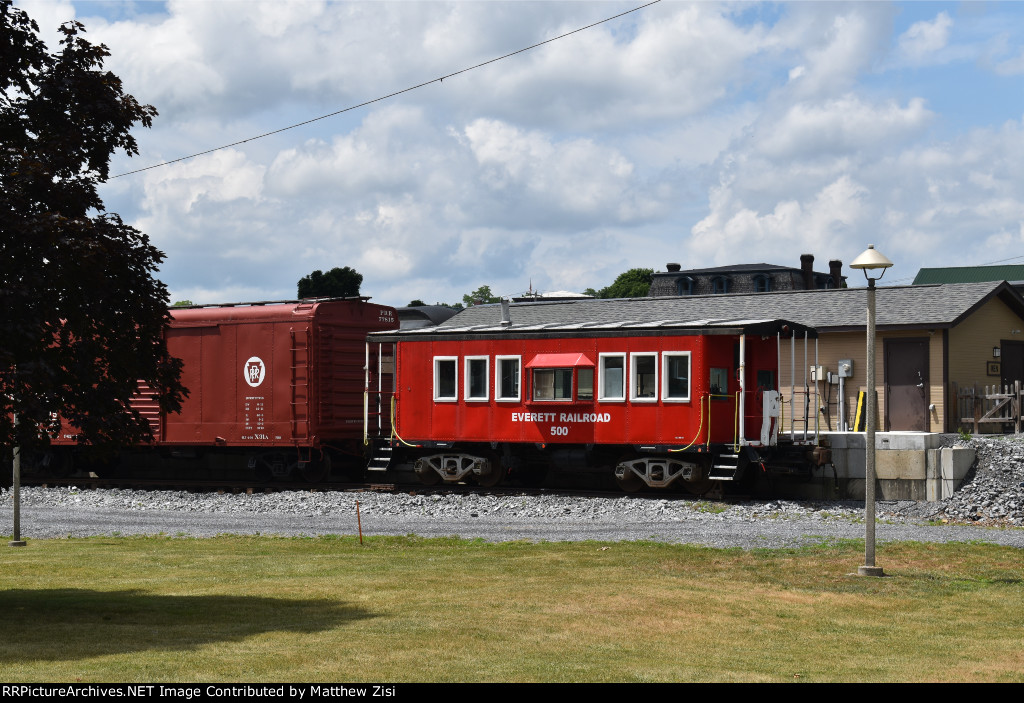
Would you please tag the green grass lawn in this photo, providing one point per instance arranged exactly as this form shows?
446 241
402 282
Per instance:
410 609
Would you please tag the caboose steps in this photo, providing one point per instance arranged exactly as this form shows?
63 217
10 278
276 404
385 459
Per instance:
380 460
725 468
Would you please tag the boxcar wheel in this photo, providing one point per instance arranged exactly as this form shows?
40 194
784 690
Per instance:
316 470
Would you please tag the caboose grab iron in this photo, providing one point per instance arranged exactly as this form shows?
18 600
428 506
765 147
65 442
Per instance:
635 388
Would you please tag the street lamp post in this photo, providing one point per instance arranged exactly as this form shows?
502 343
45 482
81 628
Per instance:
869 262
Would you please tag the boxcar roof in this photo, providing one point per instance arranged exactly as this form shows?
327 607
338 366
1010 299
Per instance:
898 307
263 311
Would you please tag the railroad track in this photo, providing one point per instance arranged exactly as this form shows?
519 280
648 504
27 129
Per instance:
252 487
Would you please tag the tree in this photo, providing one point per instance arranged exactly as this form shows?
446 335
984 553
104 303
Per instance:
417 303
336 283
479 296
82 316
635 283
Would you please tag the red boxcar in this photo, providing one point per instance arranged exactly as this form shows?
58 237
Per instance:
588 384
273 383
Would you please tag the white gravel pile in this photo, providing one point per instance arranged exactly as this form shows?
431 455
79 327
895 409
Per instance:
993 492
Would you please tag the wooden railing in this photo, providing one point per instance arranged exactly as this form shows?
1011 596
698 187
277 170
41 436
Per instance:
989 405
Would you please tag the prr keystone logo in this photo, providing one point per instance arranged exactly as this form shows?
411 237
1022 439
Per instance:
254 371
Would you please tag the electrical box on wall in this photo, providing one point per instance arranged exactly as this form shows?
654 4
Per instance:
817 373
845 368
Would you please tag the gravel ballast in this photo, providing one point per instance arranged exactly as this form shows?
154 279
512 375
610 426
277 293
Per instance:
988 508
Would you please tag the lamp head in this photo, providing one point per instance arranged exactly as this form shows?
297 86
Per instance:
871 260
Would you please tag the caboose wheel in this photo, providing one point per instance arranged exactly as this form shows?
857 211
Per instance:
630 482
699 488
428 477
495 476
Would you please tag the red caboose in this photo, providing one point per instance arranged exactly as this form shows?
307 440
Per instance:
273 386
632 386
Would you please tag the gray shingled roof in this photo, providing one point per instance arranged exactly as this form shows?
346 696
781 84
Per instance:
903 307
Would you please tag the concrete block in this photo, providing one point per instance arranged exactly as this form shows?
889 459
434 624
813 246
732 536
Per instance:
907 440
900 489
896 464
956 462
933 471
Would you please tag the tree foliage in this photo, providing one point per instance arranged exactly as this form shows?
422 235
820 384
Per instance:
635 283
82 316
480 296
336 283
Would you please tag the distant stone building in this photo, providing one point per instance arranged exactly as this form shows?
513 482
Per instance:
746 278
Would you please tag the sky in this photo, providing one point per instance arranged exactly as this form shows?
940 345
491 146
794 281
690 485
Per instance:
705 133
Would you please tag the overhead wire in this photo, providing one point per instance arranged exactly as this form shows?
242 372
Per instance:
389 95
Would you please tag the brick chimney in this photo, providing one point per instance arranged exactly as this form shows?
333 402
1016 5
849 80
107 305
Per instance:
807 269
835 269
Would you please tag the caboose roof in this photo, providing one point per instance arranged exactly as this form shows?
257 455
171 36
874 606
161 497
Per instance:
835 310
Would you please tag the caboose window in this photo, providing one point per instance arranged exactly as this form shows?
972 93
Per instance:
611 377
585 384
644 384
719 381
507 377
446 377
676 375
552 384
476 378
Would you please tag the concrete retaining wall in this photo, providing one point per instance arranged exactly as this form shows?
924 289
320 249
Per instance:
908 466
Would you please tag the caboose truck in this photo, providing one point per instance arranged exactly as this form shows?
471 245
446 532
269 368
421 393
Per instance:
634 388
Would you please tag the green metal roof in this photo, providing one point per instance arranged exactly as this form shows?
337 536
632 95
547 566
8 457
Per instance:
970 274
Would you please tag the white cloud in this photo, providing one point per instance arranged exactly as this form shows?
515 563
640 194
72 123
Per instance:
842 125
219 177
834 47
924 39
1011 67
695 132
813 225
920 204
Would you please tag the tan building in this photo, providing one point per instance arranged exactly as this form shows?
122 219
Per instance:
930 338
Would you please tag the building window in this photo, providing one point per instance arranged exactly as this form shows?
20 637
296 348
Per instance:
476 378
552 384
611 377
684 286
644 385
762 283
719 284
676 375
506 380
446 378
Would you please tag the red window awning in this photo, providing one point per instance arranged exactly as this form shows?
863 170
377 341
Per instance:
559 361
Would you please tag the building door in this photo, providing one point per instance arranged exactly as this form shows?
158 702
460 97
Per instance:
1012 357
906 384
